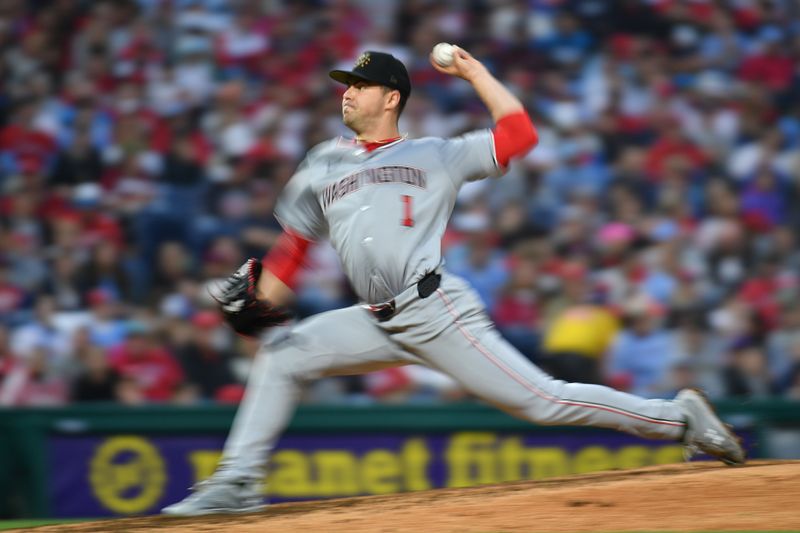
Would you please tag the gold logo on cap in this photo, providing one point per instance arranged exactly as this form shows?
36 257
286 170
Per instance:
363 60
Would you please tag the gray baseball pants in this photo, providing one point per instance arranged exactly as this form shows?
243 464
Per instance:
448 331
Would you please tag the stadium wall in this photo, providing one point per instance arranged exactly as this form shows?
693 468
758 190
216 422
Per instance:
105 460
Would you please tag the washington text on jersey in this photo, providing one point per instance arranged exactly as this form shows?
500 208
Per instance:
371 176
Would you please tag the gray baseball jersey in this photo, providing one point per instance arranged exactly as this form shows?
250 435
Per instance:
384 211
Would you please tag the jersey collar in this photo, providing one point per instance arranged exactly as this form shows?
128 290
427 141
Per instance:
371 146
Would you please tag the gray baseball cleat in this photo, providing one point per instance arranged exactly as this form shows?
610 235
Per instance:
219 496
705 432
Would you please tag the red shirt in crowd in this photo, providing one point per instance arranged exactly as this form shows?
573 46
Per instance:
776 71
11 298
27 144
515 309
152 367
666 148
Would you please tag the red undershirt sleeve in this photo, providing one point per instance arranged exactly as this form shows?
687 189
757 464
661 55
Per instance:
514 135
286 257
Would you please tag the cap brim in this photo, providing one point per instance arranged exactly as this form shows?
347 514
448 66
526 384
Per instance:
347 77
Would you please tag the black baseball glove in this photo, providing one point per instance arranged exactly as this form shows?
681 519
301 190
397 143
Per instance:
241 309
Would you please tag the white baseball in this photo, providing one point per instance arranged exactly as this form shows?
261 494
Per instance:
443 54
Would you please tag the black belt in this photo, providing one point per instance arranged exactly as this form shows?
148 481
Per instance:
425 287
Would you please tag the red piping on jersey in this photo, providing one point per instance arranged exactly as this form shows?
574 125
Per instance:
286 257
374 145
514 135
530 386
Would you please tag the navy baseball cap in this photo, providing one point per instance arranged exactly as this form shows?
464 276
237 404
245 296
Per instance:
377 67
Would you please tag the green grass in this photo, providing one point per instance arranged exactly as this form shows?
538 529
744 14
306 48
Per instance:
35 522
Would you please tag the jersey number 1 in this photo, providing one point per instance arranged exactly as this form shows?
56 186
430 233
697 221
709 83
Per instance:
408 219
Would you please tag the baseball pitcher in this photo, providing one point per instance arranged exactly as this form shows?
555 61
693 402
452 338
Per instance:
383 201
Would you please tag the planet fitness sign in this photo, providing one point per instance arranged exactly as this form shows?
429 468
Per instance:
112 475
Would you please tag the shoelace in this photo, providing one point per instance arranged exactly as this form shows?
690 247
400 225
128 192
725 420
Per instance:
204 483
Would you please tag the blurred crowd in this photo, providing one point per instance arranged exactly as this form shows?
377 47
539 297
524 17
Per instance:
648 242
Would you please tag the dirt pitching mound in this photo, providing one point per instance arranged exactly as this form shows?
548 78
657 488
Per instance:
763 495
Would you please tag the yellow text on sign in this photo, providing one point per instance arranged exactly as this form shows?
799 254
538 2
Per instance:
471 458
323 473
475 458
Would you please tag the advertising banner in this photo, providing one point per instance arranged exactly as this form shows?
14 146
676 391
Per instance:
127 474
